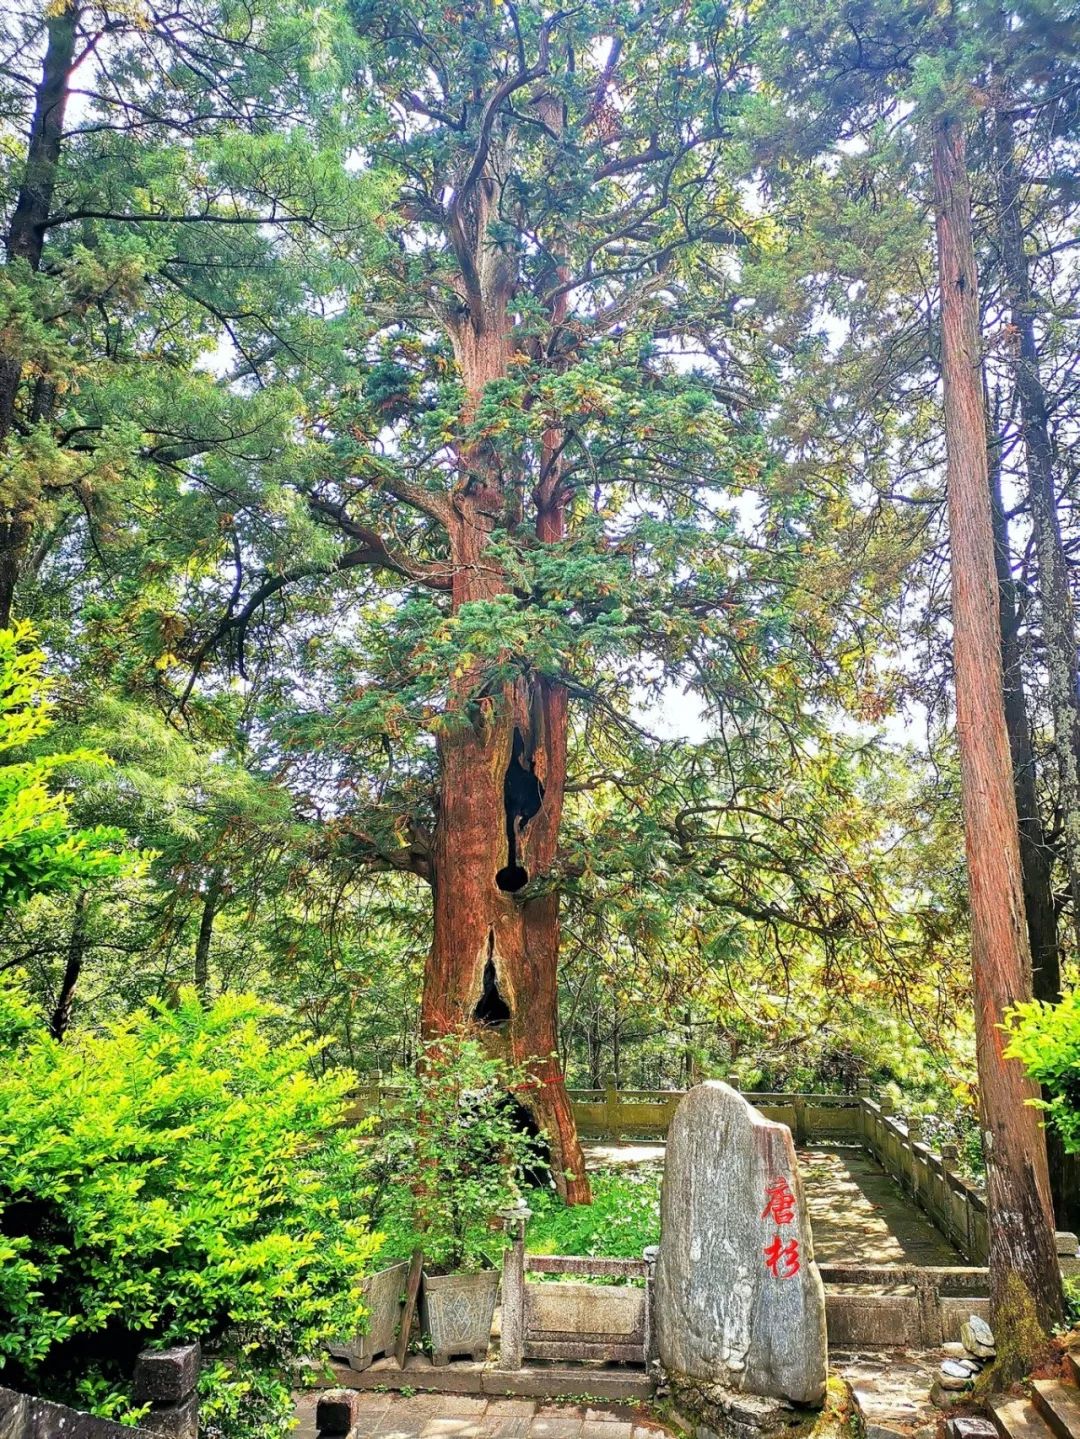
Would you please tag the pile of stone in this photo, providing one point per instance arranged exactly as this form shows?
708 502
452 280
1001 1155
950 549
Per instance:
964 1362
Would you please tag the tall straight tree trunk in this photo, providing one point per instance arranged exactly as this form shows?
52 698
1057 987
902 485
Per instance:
1035 852
25 243
1059 628
1036 858
494 958
1025 1282
204 938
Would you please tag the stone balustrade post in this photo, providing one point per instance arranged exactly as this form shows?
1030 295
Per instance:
650 1256
337 1413
166 1379
611 1112
512 1341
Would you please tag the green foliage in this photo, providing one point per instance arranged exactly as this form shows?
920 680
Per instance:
622 1221
183 1175
41 850
1045 1038
449 1156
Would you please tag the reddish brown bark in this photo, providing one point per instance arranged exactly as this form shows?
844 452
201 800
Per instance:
493 963
1025 1282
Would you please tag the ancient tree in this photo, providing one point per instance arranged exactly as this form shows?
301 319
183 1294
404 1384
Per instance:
1025 1282
522 440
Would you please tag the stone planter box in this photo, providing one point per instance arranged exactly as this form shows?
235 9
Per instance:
382 1300
456 1311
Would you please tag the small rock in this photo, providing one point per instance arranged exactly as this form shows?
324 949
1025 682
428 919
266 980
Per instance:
977 1335
954 1375
946 1398
970 1426
954 1350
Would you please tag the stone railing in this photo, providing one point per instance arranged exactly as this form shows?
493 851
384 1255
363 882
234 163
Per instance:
165 1379
956 1207
573 1321
646 1113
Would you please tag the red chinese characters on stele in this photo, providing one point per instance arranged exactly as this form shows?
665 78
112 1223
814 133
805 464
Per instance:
781 1256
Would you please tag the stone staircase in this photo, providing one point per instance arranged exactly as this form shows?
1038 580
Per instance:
1051 1412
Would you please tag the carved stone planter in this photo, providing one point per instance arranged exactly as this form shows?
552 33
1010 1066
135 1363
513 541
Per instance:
457 1310
382 1300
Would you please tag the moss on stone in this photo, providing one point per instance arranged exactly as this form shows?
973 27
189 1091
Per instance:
1021 1340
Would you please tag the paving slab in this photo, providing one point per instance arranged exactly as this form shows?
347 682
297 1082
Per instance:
860 1215
464 1416
892 1387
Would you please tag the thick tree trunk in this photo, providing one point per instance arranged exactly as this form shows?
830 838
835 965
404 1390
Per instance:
1059 628
1025 1282
494 959
25 242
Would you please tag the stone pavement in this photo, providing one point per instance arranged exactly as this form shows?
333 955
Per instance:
468 1416
860 1215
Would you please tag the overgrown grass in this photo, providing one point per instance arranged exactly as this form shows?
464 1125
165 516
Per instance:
622 1220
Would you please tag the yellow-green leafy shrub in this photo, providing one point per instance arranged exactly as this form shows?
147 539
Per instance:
182 1176
1046 1040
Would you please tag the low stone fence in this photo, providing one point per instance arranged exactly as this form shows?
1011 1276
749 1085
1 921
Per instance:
930 1180
165 1379
913 1305
573 1320
646 1113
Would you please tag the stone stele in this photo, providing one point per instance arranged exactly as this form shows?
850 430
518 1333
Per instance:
734 1307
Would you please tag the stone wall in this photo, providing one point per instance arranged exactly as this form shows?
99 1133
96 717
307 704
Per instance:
165 1379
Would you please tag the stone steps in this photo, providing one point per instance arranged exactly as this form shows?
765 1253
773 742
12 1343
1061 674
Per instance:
1059 1406
1052 1412
1018 1419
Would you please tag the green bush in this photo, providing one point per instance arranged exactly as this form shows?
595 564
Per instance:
182 1176
449 1155
41 852
1046 1040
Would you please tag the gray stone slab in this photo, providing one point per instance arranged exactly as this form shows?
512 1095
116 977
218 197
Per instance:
606 1429
555 1427
739 1300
